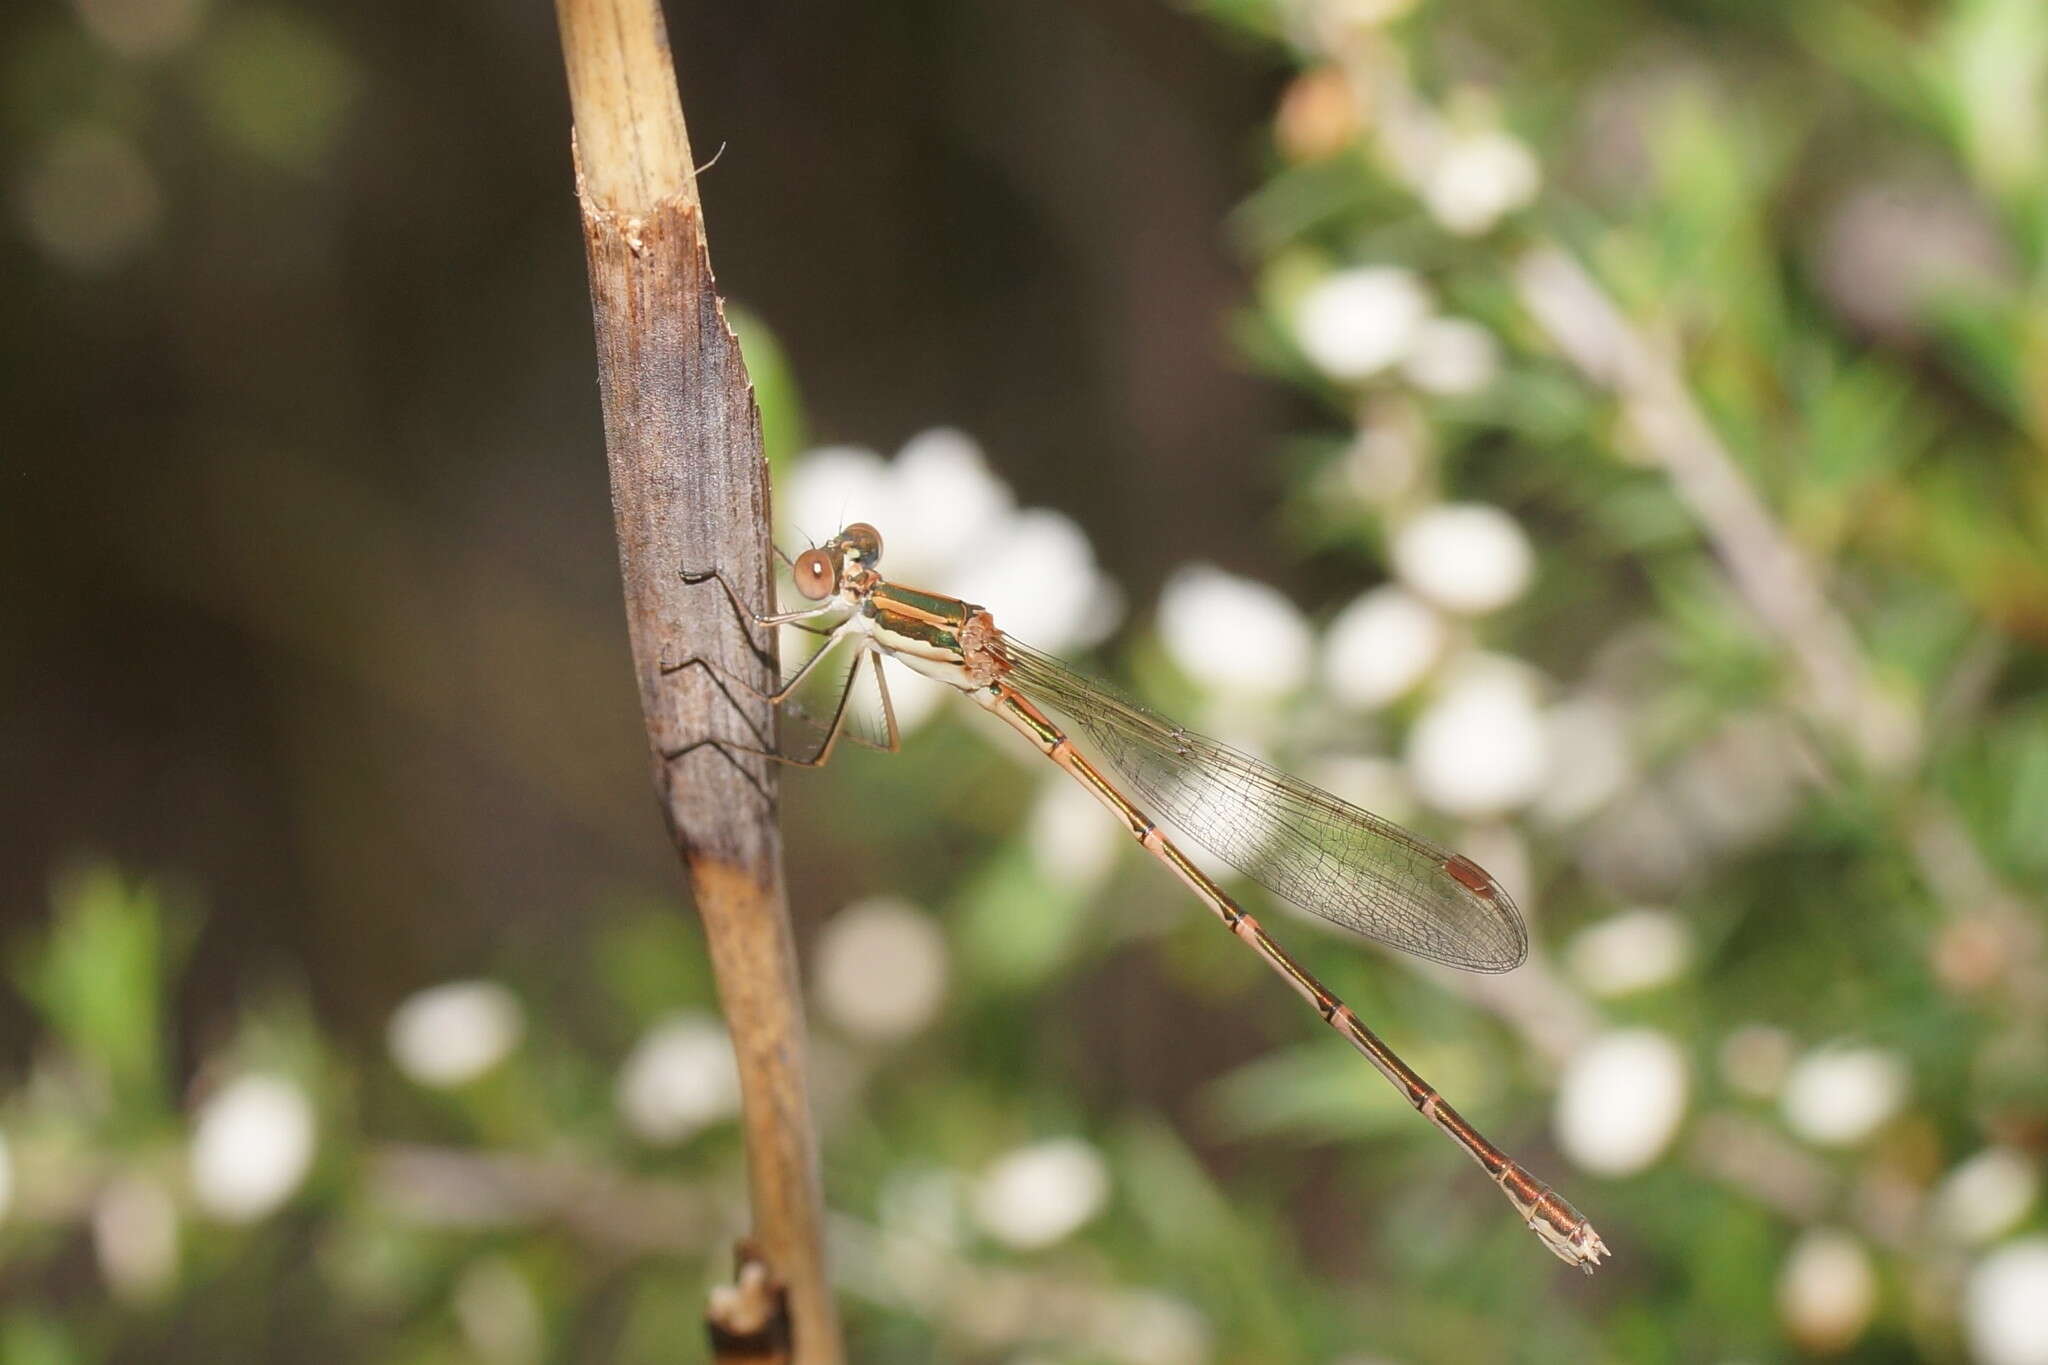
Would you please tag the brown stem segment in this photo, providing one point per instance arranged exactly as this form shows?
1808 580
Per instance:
690 491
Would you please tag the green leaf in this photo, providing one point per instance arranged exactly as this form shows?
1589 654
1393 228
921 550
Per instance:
277 85
1320 1091
775 389
1016 926
28 1337
101 975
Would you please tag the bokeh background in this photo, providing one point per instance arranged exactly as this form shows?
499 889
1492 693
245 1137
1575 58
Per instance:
1608 436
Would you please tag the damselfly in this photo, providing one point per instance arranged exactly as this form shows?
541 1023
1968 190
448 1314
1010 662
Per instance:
1345 864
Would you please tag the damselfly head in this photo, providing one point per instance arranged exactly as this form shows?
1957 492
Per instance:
846 558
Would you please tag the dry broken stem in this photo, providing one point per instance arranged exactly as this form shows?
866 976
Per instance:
690 491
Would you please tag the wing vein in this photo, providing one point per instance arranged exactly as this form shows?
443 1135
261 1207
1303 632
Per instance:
1346 865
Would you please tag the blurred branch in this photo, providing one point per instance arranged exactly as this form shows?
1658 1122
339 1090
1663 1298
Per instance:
483 1191
1783 590
997 1307
1753 1159
1771 573
689 491
614 1215
1748 1155
1839 693
611 1212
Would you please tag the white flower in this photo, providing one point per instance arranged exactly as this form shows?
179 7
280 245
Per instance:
1381 646
1838 1096
142 28
90 199
2002 1305
1589 738
1385 460
1620 1101
1037 573
1987 1195
1636 950
1073 839
679 1079
1355 323
1465 557
1362 13
498 1312
1038 1195
833 486
881 969
1233 634
1332 23
1480 748
1452 357
455 1032
252 1144
1158 1329
1827 1290
1755 1058
947 500
1477 178
135 1237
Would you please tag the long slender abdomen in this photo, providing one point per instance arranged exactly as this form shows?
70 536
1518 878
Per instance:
1556 1223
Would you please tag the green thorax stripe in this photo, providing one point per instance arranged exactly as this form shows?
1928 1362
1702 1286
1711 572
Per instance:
895 598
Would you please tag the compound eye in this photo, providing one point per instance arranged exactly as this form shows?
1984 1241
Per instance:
815 575
865 542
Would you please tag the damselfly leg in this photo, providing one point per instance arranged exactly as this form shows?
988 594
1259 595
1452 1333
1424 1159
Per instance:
806 739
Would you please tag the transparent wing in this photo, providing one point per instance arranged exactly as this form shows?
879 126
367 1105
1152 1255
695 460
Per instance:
1344 864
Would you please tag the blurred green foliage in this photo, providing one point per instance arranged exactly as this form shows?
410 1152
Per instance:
1825 227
